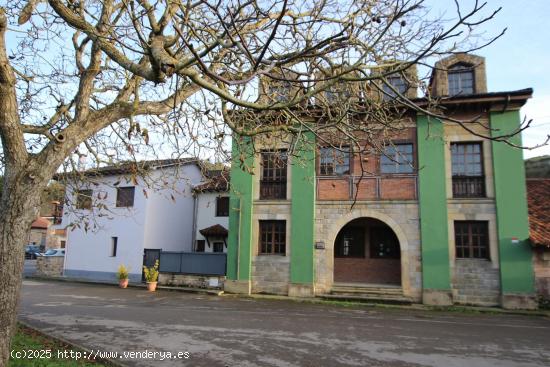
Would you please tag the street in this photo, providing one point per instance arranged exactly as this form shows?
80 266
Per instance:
234 331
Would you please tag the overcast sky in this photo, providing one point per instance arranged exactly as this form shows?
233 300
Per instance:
520 59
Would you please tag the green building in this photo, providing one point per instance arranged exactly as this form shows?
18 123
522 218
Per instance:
441 218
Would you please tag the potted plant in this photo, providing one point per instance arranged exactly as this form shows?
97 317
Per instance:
151 276
122 275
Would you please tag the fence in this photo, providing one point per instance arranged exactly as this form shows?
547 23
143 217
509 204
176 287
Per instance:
192 263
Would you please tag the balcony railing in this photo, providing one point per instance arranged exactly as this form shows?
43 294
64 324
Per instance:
371 187
272 190
468 186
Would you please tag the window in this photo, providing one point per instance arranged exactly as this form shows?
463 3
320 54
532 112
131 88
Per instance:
471 240
280 91
272 237
62 244
334 162
84 199
222 206
217 247
398 83
273 180
199 246
338 92
350 242
397 158
384 243
125 196
467 170
114 245
461 79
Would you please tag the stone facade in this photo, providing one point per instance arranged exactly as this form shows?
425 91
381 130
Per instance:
400 216
49 266
270 274
476 282
192 281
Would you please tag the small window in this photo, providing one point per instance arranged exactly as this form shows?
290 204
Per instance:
384 243
222 206
217 247
114 245
471 239
334 162
467 170
338 92
350 242
397 158
461 79
199 246
84 199
125 196
398 83
274 174
62 244
272 237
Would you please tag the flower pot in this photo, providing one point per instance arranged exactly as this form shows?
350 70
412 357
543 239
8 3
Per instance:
123 283
151 286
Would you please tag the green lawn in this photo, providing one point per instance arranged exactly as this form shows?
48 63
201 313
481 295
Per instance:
28 342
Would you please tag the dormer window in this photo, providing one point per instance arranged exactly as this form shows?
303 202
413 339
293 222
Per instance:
280 91
398 83
338 92
461 79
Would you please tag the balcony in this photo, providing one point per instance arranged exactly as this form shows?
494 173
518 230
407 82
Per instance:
272 190
469 186
381 187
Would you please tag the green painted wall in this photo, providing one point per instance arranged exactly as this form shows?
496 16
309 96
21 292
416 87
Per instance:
302 226
433 204
516 269
239 250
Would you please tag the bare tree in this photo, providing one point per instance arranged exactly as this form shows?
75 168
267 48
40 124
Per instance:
119 80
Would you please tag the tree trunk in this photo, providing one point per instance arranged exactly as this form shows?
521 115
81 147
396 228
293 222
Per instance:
18 208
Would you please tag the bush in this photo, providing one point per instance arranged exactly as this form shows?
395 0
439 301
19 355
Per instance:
122 272
151 273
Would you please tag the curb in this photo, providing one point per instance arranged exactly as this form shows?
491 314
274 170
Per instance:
212 292
107 361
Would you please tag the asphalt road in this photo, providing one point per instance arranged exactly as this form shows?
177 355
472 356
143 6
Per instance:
232 331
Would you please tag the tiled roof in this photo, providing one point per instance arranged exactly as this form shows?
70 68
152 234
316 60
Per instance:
217 181
40 223
216 230
538 199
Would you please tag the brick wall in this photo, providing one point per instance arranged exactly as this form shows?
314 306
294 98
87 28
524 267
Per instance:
541 264
366 270
476 282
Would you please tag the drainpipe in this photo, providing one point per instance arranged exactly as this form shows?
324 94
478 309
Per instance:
195 210
239 239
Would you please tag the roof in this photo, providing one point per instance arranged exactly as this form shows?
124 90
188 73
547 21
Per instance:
40 223
216 230
520 95
217 181
538 200
134 167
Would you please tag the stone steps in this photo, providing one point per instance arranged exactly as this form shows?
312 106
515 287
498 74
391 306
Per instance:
365 293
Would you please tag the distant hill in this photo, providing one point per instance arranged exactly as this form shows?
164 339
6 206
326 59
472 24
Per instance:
538 167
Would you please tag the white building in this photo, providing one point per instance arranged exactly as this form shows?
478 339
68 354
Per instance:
117 218
212 213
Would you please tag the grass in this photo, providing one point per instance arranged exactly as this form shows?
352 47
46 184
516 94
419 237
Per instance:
33 343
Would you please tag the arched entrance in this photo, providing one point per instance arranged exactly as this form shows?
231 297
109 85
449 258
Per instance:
367 251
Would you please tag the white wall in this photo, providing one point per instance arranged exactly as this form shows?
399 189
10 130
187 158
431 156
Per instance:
169 223
155 221
206 216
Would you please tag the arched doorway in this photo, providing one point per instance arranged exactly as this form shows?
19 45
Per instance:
367 251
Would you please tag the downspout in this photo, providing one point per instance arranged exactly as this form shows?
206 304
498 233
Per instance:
239 239
195 210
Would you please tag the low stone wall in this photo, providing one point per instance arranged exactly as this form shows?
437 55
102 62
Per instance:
270 274
541 265
49 266
192 281
476 282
